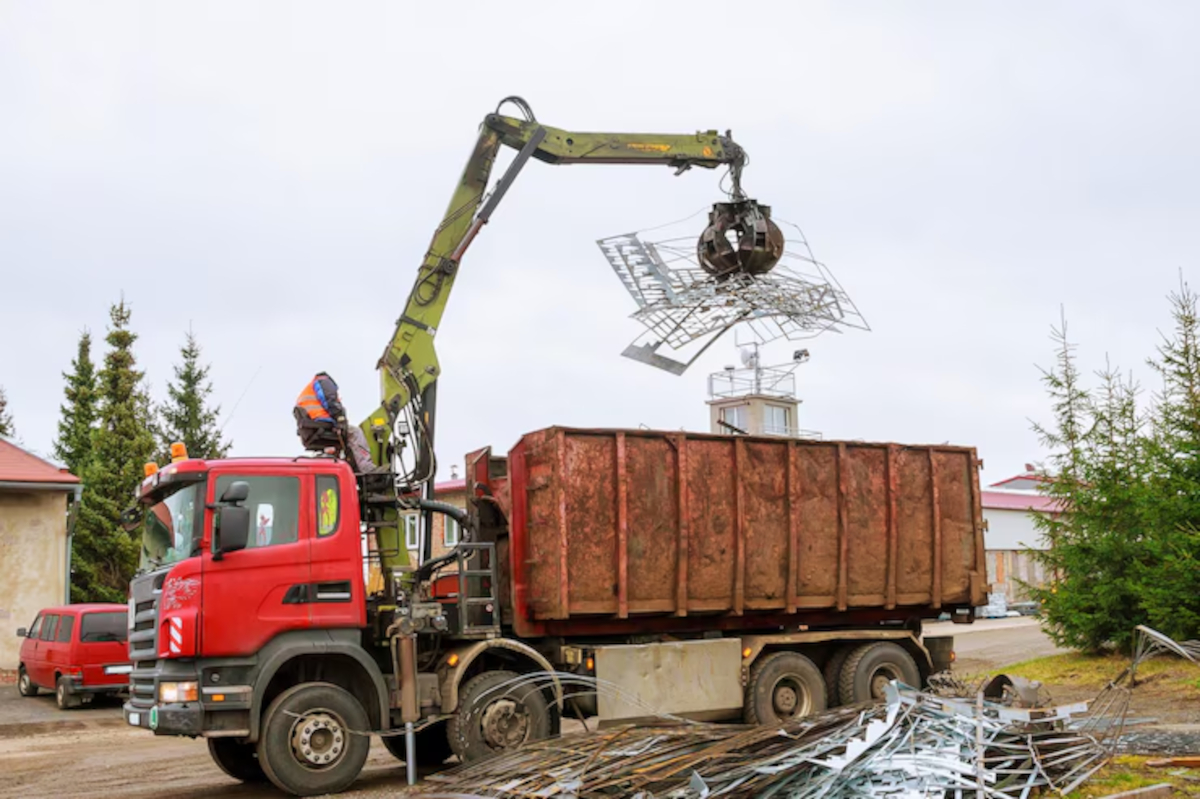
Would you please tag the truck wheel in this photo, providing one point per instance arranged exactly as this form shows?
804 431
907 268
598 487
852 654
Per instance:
237 759
433 745
871 667
313 739
783 686
25 686
833 674
64 697
492 718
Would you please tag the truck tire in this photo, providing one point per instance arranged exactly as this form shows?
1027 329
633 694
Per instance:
25 686
64 697
871 667
236 758
491 718
833 674
314 739
433 745
783 686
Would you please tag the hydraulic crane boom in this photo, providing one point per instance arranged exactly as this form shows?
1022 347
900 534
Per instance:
409 367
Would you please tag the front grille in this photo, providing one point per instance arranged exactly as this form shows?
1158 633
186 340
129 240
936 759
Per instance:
143 639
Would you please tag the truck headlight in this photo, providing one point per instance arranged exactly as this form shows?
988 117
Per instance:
171 692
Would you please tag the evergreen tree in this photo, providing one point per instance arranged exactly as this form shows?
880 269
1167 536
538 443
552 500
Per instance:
74 443
6 422
105 556
1172 580
186 416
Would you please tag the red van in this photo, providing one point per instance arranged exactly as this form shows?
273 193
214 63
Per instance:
77 651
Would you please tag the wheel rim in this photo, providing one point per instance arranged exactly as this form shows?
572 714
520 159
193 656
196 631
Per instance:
790 698
318 739
504 724
62 695
25 683
880 679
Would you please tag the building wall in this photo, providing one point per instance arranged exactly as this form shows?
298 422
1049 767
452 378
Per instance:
755 405
1011 530
33 562
459 500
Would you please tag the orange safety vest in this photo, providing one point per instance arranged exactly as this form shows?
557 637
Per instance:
311 404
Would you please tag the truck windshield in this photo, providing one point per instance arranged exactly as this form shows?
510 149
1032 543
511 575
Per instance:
171 530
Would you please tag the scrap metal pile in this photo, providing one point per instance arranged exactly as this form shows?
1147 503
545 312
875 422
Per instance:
917 744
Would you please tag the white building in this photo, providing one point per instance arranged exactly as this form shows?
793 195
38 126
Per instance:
1010 511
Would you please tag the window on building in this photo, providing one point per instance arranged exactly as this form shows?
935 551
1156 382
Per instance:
274 503
777 420
49 628
328 512
65 628
410 531
736 416
451 532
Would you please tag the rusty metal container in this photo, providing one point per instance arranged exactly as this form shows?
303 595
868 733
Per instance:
630 531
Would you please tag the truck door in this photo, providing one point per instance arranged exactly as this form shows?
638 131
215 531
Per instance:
253 595
337 564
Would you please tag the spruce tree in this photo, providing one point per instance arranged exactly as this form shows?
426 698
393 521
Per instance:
6 422
105 556
74 443
186 416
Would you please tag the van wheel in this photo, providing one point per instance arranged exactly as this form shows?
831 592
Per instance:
314 739
237 759
871 667
783 686
433 745
493 717
64 697
25 686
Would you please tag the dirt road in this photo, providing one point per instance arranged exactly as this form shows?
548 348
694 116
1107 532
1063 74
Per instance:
90 753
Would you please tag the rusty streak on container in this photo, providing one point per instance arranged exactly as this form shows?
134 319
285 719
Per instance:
843 565
681 552
935 598
622 531
893 535
790 490
564 595
978 593
739 526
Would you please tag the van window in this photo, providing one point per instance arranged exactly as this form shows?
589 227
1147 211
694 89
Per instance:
65 628
274 504
36 627
49 626
103 626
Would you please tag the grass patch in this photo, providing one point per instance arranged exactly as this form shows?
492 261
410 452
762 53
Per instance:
1092 672
1128 773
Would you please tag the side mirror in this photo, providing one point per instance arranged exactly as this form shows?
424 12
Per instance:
131 518
22 632
233 529
237 492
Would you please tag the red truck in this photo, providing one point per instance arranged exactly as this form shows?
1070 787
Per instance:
714 577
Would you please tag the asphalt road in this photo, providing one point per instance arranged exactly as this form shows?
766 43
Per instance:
89 753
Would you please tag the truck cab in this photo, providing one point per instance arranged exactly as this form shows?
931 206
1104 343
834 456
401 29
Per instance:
249 567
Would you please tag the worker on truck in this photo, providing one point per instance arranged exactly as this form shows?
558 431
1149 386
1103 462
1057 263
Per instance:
321 424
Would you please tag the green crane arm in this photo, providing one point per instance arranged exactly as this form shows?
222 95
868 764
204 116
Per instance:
409 367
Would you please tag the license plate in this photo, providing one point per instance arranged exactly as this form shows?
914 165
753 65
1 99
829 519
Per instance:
135 719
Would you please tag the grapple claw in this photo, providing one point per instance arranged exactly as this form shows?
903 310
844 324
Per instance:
740 239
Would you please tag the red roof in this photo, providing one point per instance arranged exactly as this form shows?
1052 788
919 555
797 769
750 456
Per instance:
1011 500
19 466
450 485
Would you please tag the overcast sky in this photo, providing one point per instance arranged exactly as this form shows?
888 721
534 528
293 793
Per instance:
271 174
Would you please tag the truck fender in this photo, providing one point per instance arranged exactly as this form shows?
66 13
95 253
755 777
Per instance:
451 676
287 647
